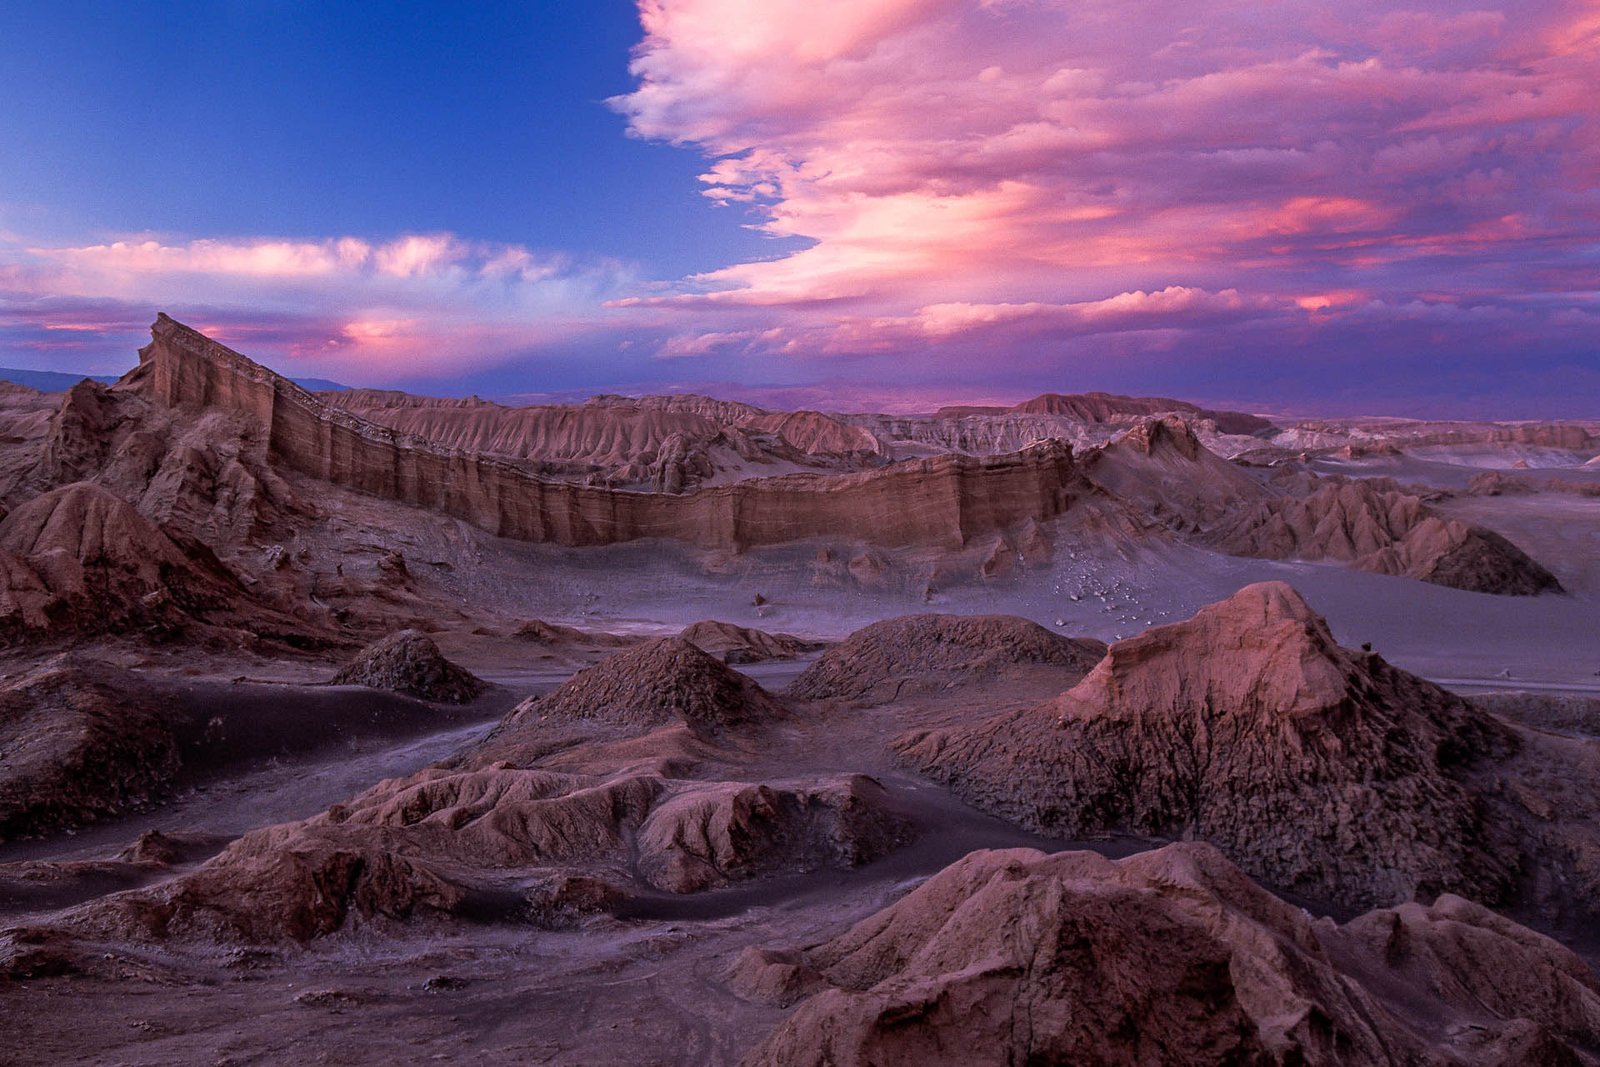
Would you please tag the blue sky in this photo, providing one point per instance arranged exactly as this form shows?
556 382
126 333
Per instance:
249 117
891 203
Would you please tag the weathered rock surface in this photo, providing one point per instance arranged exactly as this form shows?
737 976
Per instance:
409 662
743 644
923 653
205 474
78 742
79 560
1385 531
436 842
1170 956
658 683
1315 768
703 837
1160 466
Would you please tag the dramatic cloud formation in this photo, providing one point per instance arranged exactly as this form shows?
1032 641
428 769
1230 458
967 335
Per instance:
1044 179
419 306
1383 205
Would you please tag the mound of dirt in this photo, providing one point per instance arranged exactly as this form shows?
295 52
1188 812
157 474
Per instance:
920 653
743 644
409 662
1170 956
660 682
1315 768
78 742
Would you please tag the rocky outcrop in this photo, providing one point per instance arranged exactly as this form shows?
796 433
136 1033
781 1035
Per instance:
742 644
409 662
557 635
1315 768
942 501
812 433
204 475
1386 531
1170 956
926 653
661 682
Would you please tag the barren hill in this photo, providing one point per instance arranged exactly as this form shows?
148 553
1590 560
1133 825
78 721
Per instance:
1314 767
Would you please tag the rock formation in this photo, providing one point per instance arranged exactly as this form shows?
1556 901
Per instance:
1380 529
742 644
539 632
1315 768
923 653
1160 466
409 662
1170 956
708 836
941 501
442 841
1110 408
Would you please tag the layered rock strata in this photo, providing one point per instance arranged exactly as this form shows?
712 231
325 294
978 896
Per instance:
941 501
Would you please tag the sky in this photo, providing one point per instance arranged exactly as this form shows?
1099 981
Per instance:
1371 207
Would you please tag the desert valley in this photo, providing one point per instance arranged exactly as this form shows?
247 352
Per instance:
358 726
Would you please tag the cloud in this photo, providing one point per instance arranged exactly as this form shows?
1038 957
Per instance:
415 306
1050 170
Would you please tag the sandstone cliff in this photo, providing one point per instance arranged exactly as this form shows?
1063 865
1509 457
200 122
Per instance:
941 501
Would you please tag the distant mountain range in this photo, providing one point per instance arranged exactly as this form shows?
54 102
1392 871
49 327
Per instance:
55 381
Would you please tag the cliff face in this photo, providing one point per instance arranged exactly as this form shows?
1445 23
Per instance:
938 502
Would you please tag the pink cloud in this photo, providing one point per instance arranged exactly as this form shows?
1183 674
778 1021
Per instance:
423 305
974 166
